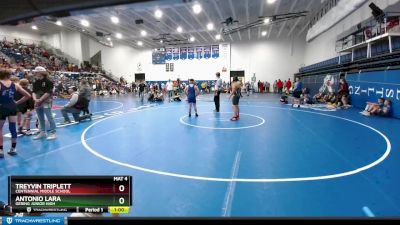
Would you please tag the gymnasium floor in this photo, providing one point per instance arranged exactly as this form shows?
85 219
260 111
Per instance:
275 162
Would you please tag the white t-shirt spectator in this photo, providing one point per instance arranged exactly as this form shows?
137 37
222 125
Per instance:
170 86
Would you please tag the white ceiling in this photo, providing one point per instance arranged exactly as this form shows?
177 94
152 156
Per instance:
177 13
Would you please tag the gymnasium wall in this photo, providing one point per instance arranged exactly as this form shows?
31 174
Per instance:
198 69
369 86
26 35
268 59
120 60
323 47
67 41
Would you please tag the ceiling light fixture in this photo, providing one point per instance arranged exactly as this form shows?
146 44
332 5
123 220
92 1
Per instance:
158 14
143 33
115 19
34 27
179 29
59 23
118 35
197 8
210 26
85 23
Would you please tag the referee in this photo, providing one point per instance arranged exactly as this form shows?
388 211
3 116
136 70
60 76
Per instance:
217 92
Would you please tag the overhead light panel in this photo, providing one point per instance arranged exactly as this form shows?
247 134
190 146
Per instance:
192 39
140 43
158 14
34 27
108 39
143 33
59 23
218 37
264 33
210 26
118 35
271 1
267 20
114 19
197 8
85 23
179 29
161 41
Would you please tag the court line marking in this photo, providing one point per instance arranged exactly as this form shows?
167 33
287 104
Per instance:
62 148
368 211
275 180
224 128
8 135
228 200
121 105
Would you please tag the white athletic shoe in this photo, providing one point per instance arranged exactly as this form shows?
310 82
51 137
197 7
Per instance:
51 136
12 151
40 136
365 113
1 153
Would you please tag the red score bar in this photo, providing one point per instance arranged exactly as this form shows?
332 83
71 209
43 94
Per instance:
99 189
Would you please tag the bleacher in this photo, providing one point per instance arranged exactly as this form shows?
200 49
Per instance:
378 49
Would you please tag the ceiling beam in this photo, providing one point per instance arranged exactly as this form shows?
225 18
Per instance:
234 16
198 21
188 24
303 29
221 17
172 29
260 14
248 18
284 24
131 32
215 24
275 12
301 18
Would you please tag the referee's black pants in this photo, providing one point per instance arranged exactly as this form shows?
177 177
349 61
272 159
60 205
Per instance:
217 100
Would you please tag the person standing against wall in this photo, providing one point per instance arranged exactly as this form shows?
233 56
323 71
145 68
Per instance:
217 92
279 85
170 89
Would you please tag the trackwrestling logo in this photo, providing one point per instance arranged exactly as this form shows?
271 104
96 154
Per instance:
28 220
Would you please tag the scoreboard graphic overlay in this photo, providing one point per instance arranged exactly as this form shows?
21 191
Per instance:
85 194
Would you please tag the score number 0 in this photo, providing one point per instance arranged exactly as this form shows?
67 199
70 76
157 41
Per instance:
121 200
